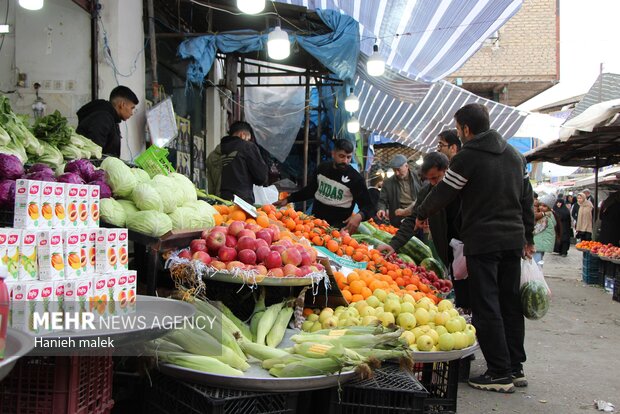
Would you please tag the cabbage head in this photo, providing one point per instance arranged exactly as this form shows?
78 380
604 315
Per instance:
128 206
119 177
141 175
185 186
185 218
145 197
151 223
167 189
112 212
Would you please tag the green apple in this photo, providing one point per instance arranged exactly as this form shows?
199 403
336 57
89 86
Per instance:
444 305
422 316
424 304
316 327
360 305
470 327
352 322
393 306
392 296
306 326
325 314
453 313
387 318
460 340
446 342
367 311
408 336
453 325
424 343
406 320
369 320
407 307
440 329
338 312
340 308
407 298
373 301
313 317
418 331
380 294
433 334
471 337
378 310
431 314
441 318
330 322
463 323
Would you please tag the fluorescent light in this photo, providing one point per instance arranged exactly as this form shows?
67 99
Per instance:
251 6
353 126
351 103
278 45
4 28
375 66
31 4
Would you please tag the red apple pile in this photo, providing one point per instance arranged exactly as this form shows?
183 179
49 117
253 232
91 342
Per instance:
250 247
607 250
428 277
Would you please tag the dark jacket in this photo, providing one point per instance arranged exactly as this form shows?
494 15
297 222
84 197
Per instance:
390 195
335 193
98 121
492 180
563 218
610 220
236 165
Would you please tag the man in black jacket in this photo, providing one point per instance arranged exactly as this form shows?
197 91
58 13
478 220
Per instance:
496 232
99 120
236 164
336 188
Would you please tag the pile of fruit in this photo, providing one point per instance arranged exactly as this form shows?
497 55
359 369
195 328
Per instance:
384 227
606 250
588 244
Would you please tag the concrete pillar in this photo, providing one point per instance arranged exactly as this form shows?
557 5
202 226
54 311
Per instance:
215 115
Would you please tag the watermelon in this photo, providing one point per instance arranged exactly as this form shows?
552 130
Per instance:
535 299
415 249
366 228
405 258
437 266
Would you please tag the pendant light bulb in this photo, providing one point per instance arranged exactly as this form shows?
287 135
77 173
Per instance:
375 66
31 4
251 6
353 126
278 45
351 103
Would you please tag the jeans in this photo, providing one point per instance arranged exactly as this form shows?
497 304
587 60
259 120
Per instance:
496 309
537 257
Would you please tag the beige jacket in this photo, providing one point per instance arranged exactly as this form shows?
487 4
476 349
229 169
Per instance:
584 219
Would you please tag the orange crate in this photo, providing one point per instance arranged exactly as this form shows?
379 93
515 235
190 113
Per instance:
58 385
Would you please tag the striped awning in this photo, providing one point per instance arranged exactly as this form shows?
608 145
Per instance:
422 39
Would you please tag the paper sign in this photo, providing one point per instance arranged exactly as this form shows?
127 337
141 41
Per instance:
245 206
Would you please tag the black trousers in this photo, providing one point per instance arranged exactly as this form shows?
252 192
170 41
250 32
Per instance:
496 309
563 246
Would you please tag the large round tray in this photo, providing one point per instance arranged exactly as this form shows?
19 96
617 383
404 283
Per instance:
616 261
582 250
149 309
605 258
262 280
18 344
441 356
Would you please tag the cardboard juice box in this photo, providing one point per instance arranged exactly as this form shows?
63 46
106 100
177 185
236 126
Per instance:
17 315
47 302
78 295
27 204
13 243
91 250
4 236
100 296
73 258
122 248
69 302
48 218
34 305
58 298
60 210
83 213
106 260
112 286
51 255
120 294
132 290
93 205
72 204
28 264
84 252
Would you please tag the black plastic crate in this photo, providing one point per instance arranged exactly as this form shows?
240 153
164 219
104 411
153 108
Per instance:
167 395
591 272
441 381
390 390
616 293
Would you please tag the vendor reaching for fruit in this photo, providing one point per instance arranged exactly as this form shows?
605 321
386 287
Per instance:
336 188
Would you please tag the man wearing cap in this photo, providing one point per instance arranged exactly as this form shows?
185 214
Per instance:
588 195
399 191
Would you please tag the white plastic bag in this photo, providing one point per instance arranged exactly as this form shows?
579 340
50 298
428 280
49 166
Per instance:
265 195
459 264
531 271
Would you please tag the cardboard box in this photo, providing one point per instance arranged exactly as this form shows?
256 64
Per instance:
122 249
93 204
107 257
13 243
100 296
27 204
78 295
112 286
72 202
17 310
91 251
48 218
120 294
51 255
132 290
83 209
84 253
58 298
28 264
46 306
73 259
34 305
60 208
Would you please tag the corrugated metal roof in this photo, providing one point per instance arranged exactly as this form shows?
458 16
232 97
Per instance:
606 88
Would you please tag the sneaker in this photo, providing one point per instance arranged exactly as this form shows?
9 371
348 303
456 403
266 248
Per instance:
487 382
518 378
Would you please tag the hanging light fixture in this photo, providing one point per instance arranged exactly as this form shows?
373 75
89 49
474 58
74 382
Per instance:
351 104
353 126
375 66
420 161
278 45
251 6
31 4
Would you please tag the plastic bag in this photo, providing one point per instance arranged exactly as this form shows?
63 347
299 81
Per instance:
535 293
265 195
530 271
459 264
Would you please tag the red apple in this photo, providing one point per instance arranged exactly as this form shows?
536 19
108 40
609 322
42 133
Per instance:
312 252
247 256
319 266
246 233
205 233
198 245
215 240
278 248
227 254
202 256
246 242
306 260
273 260
231 241
218 264
262 270
264 234
291 256
235 227
286 243
235 265
261 253
276 272
276 232
304 270
290 270
185 254
254 228
299 247
261 242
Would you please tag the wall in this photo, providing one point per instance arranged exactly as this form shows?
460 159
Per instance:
52 47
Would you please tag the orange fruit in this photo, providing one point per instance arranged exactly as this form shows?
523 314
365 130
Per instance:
356 286
347 295
332 246
262 221
357 298
237 215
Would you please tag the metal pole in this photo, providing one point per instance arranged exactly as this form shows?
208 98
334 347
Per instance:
242 90
319 130
596 190
306 132
153 47
94 50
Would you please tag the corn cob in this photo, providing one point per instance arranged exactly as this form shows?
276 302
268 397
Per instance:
276 333
283 360
306 368
241 326
261 352
350 330
199 363
213 326
267 321
254 323
351 341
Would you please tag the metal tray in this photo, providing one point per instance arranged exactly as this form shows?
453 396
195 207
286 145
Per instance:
442 356
18 344
605 258
262 280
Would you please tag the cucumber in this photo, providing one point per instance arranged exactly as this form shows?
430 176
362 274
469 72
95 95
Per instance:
430 263
417 250
384 236
366 228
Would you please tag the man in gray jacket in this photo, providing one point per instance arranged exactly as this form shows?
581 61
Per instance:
398 192
496 232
